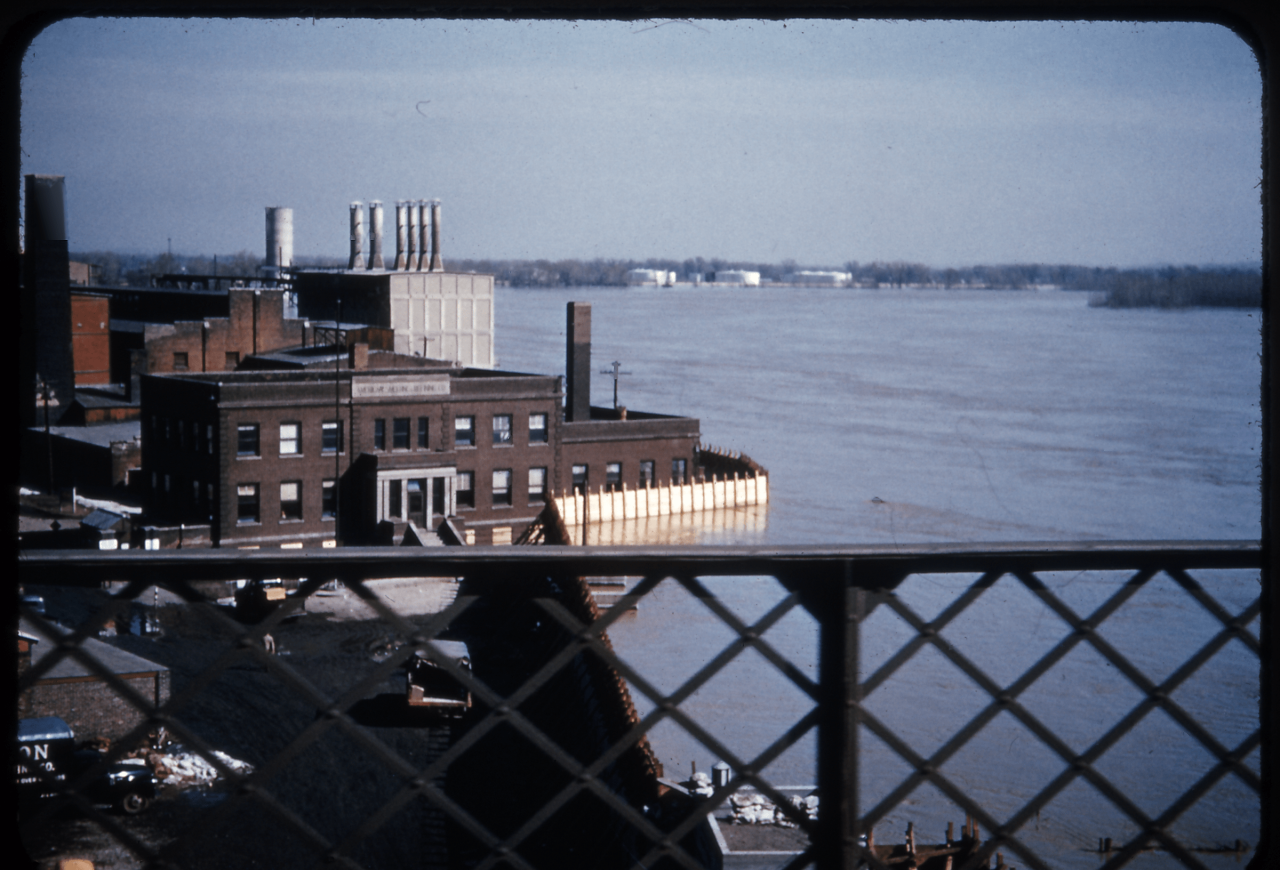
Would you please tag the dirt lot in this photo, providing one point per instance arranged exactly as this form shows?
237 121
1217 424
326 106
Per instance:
251 711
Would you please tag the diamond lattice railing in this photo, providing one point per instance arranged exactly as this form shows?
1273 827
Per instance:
555 643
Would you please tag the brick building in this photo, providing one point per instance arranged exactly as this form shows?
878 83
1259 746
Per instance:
256 453
91 338
81 697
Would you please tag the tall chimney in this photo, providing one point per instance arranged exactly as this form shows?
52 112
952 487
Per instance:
578 362
46 306
375 235
411 262
402 236
279 239
424 261
357 236
436 264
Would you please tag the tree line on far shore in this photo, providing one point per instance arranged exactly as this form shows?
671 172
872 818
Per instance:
1165 287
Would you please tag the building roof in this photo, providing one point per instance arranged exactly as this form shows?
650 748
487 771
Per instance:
117 661
100 435
103 520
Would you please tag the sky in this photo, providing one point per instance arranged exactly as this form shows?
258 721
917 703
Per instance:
823 142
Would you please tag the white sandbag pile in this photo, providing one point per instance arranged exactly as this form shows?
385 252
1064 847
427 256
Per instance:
756 809
178 767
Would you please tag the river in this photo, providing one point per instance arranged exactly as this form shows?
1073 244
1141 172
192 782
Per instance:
899 416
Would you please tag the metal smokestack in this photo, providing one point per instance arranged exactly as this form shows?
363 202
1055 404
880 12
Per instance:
279 239
402 236
437 265
357 236
424 261
411 251
578 363
375 235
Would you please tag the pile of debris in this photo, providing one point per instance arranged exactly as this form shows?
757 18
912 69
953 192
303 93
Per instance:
176 767
756 809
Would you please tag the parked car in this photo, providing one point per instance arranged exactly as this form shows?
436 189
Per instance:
47 761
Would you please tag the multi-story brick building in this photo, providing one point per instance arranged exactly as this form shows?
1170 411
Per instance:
307 448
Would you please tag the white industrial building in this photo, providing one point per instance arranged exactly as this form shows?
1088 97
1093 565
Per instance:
818 279
651 277
739 277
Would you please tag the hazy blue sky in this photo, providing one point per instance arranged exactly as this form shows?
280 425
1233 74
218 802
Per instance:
949 143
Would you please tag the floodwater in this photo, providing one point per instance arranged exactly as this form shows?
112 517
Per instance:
903 416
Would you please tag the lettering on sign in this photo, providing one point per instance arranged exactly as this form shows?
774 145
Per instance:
399 388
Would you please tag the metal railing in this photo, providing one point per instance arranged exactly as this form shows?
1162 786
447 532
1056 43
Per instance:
840 587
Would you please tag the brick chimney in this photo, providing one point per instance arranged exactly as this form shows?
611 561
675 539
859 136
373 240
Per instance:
577 404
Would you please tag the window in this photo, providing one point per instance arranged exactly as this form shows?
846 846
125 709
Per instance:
464 431
291 500
209 494
537 485
180 361
331 436
289 439
400 433
379 434
208 438
537 428
679 468
328 500
417 497
646 473
422 433
580 480
182 434
195 492
246 439
502 486
195 437
233 359
502 429
613 476
247 503
167 433
464 489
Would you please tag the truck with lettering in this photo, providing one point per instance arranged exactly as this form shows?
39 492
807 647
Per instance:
47 761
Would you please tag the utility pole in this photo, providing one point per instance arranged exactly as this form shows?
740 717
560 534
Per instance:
337 421
614 370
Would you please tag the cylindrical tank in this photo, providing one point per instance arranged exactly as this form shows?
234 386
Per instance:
402 236
411 252
279 239
375 234
357 236
423 218
437 265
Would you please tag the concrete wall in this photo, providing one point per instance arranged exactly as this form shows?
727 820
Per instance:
631 504
452 312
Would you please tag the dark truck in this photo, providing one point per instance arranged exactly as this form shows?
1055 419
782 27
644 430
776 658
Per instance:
432 686
47 759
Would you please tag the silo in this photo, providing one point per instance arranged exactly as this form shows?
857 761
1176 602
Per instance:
402 236
437 265
279 239
357 236
375 235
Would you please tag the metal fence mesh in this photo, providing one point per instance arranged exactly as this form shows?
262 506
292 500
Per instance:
853 715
